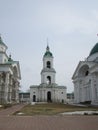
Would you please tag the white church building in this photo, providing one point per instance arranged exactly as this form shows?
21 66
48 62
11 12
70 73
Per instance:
85 79
48 90
9 77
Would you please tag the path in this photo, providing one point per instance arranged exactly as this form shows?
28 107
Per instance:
11 110
45 122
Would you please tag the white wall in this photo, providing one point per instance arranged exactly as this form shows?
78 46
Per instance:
57 94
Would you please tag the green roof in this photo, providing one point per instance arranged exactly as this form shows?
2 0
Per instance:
48 53
94 49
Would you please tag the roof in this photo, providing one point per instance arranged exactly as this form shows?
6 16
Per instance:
48 53
94 49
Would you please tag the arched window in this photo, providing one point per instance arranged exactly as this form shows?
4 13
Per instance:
48 80
48 64
84 71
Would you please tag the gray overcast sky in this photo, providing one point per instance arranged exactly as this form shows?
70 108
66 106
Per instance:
70 25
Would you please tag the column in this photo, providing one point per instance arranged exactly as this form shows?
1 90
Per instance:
93 82
17 91
6 87
54 95
10 88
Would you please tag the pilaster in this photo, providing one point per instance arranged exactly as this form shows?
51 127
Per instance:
6 87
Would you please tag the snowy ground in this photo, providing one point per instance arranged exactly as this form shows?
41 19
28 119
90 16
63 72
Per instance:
81 113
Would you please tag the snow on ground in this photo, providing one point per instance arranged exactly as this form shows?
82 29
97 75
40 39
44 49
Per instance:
81 113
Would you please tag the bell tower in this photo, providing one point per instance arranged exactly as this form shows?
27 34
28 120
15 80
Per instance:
48 72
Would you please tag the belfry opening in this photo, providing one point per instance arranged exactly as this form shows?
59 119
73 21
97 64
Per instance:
48 80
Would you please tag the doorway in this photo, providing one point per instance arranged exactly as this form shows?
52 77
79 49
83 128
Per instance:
34 98
49 96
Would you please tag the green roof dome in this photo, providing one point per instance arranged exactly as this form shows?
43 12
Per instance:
94 49
48 53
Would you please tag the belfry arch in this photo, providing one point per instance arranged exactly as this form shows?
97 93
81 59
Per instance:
48 64
84 71
48 79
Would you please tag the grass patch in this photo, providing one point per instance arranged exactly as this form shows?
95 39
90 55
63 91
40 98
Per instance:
51 109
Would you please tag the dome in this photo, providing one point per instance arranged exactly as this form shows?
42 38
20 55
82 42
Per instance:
48 53
94 49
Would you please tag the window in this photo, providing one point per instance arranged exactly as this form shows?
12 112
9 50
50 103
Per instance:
87 72
48 64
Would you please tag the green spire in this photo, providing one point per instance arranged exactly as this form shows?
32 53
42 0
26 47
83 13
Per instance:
48 53
47 49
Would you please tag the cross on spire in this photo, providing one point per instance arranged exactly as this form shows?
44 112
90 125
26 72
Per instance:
47 45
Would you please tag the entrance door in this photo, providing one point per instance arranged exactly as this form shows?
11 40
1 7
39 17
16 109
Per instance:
34 98
49 96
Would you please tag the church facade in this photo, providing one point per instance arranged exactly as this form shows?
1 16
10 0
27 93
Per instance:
48 90
85 79
9 77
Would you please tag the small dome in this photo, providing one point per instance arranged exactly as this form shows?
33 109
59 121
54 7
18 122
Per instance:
48 53
94 49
